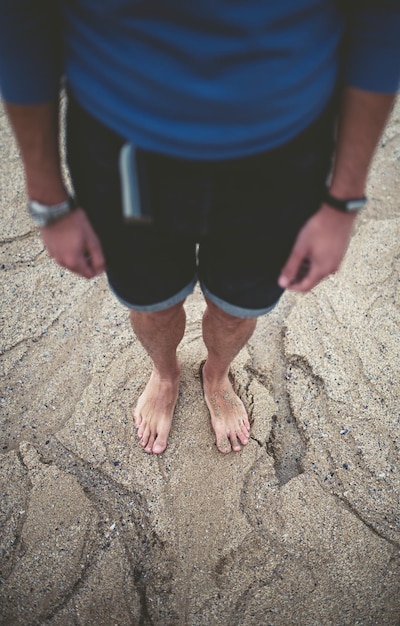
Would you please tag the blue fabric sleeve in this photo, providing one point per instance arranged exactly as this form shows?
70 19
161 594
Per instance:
372 60
30 50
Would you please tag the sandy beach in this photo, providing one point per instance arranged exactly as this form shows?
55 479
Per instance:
300 528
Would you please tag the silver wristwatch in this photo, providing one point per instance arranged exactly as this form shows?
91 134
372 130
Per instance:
43 214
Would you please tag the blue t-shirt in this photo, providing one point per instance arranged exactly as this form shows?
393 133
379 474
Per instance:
198 78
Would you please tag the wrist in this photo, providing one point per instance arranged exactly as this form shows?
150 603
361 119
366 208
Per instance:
46 189
45 215
347 189
349 204
333 216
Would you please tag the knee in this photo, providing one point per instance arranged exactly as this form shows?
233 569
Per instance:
230 321
165 316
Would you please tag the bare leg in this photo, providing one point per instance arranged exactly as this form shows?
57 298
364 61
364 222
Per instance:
160 334
224 335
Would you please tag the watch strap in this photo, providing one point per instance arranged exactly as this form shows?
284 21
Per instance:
43 214
346 205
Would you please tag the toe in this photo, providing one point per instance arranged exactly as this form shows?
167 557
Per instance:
144 439
224 445
159 446
138 418
161 441
243 435
141 429
149 445
234 443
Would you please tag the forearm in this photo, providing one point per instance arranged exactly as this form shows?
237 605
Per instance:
362 120
71 240
36 131
323 240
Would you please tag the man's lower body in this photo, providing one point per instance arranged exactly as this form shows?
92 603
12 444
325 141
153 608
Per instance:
229 224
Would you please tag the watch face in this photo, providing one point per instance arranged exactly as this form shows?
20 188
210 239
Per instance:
40 221
354 205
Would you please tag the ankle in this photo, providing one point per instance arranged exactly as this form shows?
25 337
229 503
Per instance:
169 372
213 373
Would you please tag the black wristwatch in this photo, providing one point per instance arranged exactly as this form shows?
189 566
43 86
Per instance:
44 215
347 205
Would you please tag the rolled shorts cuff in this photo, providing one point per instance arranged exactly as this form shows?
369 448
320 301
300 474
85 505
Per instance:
232 309
157 306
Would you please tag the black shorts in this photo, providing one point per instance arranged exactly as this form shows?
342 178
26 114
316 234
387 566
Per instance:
229 224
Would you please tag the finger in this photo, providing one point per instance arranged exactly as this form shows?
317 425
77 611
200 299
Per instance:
313 277
88 263
79 264
96 257
302 272
293 268
83 267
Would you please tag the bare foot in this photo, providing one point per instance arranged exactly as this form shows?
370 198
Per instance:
154 411
228 415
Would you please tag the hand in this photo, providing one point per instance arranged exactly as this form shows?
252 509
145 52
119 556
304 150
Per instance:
73 244
318 250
